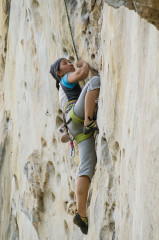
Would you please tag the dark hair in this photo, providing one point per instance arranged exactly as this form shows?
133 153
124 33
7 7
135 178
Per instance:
57 85
53 70
57 81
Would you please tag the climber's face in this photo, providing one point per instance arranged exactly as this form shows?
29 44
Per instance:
65 67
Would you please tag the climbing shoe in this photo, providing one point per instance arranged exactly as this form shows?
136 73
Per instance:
92 126
81 222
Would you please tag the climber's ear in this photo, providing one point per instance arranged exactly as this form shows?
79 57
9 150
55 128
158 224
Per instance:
59 73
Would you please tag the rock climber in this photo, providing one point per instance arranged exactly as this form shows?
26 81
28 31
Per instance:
84 103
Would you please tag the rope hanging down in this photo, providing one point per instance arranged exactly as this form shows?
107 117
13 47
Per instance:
68 18
74 47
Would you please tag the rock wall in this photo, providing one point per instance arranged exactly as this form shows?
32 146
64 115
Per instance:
37 176
148 9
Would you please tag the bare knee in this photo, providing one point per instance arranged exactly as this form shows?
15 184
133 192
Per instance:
82 185
95 81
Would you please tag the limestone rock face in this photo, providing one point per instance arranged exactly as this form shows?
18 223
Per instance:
37 175
148 9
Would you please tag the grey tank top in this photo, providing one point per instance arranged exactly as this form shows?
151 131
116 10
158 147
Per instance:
68 91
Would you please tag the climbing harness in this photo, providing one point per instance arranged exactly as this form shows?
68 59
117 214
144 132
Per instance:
73 117
63 129
69 105
72 149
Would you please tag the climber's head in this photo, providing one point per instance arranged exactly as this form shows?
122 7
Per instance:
65 67
60 68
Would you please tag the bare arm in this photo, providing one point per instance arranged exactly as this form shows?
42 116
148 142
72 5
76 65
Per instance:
80 74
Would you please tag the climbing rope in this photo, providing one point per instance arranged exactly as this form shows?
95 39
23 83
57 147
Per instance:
68 18
73 42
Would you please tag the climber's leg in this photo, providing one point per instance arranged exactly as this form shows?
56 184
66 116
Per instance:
92 84
85 106
88 161
82 187
90 105
80 218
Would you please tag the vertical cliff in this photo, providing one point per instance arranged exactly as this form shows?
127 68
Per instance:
37 176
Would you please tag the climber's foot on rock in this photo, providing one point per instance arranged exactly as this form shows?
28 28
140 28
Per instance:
81 222
91 127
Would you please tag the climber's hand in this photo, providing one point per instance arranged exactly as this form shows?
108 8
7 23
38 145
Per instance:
80 63
80 74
